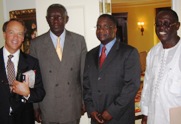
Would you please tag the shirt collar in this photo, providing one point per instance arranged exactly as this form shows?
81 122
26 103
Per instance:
15 58
108 46
54 37
7 53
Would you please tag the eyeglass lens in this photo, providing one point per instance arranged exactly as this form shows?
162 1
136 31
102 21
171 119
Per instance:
165 24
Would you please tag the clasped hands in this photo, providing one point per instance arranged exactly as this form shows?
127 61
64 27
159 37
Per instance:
101 118
21 88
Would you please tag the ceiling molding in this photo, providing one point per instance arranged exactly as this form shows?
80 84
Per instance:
138 4
139 1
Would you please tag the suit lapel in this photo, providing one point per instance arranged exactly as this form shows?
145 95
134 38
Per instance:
69 50
49 51
3 75
22 64
2 68
96 57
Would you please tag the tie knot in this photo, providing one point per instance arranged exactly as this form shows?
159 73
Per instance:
58 39
10 56
104 48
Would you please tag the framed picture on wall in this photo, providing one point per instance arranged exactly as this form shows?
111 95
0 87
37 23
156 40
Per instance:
29 17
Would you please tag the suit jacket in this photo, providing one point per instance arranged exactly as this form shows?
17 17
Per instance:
62 79
114 86
23 112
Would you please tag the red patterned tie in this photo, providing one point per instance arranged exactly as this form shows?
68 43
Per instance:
10 70
102 57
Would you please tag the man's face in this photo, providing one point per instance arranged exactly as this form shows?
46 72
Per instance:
14 36
106 30
56 20
166 27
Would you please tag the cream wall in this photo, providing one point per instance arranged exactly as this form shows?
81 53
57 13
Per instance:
10 5
83 16
89 9
1 23
176 6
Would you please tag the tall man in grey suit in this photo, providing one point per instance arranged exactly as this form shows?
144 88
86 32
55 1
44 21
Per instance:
110 89
62 78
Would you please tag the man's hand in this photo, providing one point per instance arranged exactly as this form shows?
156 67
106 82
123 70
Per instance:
106 116
97 117
144 120
21 88
37 113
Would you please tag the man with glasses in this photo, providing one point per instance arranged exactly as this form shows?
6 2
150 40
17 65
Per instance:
111 77
162 83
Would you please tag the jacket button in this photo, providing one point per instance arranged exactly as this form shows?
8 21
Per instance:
99 78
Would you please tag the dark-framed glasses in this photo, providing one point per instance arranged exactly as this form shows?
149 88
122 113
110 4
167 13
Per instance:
165 24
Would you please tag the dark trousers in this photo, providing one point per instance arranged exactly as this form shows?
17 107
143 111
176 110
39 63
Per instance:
10 120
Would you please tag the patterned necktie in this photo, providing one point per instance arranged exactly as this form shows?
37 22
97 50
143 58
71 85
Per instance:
102 57
59 49
10 70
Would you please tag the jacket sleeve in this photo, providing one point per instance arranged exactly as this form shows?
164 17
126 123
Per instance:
37 93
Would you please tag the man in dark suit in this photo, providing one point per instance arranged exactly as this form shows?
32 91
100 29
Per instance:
17 98
110 85
62 77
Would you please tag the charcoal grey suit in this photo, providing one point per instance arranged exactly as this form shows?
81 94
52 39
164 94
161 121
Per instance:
114 86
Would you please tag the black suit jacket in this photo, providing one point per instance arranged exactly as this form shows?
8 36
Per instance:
24 113
114 86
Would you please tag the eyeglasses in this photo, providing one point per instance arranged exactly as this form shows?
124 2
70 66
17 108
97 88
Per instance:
165 24
52 18
105 27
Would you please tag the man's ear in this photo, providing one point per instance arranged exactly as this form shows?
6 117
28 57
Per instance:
67 19
178 25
